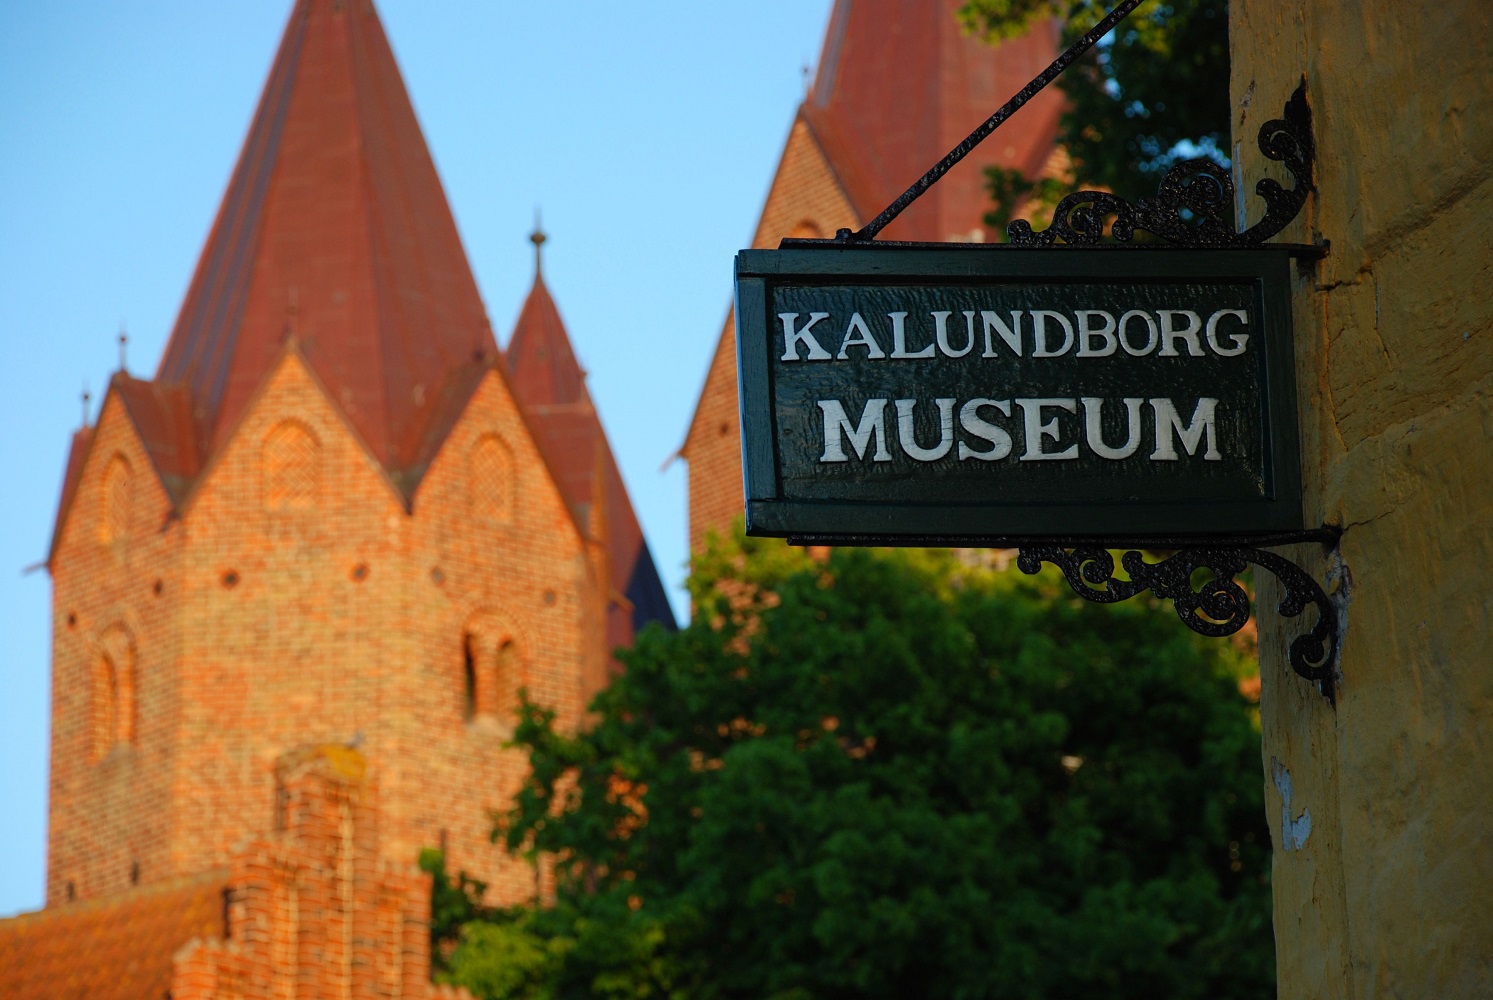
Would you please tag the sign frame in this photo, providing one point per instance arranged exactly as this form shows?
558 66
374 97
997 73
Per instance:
769 512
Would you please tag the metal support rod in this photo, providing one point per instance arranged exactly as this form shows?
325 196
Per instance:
959 152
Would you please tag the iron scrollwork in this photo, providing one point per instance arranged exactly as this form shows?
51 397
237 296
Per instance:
1201 189
1219 607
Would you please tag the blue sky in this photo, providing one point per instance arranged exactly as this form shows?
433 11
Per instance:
647 134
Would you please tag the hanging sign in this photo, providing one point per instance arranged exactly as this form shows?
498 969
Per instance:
944 392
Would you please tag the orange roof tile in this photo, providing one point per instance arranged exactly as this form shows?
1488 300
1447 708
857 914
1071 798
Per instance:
899 85
112 947
548 381
335 227
162 415
76 452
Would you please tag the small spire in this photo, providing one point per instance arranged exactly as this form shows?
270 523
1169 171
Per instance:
808 79
124 342
292 309
86 399
537 238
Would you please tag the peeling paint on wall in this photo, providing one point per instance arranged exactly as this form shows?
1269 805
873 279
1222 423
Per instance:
1293 832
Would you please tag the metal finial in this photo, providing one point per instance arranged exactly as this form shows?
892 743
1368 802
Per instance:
124 341
537 238
87 397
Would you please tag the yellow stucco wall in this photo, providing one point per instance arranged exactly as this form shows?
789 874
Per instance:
1390 891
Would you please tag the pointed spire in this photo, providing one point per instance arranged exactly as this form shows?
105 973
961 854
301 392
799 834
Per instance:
537 238
334 228
550 384
541 361
124 341
87 398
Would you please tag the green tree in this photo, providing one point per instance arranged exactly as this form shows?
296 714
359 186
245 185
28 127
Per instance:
895 774
1158 93
454 903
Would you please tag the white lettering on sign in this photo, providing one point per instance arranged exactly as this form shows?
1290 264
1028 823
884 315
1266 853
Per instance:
1170 334
941 334
1045 425
977 426
1093 428
1010 334
1237 341
792 337
899 338
1169 423
907 436
872 424
859 335
1088 333
1049 333
1037 429
1040 346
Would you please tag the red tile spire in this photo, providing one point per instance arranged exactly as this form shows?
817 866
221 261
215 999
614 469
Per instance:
549 383
334 229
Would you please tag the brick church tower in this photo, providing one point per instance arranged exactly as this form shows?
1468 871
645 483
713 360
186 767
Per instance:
337 517
898 85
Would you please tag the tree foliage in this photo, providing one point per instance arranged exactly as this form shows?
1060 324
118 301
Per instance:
894 774
454 903
1157 93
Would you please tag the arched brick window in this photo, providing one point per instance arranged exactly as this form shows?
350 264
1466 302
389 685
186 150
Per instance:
490 478
492 672
118 500
112 701
292 467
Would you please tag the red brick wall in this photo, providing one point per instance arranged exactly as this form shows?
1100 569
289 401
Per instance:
312 624
110 811
314 910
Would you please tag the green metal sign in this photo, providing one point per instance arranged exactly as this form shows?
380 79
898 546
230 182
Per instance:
924 393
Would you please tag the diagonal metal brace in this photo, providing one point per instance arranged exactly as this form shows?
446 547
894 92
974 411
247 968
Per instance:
1106 24
1219 607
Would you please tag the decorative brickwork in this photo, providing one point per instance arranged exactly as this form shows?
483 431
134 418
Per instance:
292 467
490 485
310 908
313 910
109 801
341 619
114 526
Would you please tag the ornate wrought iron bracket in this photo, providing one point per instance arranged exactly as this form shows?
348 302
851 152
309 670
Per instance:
1191 202
1218 606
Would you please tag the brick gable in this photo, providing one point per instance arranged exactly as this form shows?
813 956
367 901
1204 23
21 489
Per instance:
807 198
115 591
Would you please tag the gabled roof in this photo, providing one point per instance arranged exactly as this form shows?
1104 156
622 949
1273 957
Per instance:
162 417
899 85
550 385
545 370
334 227
117 946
